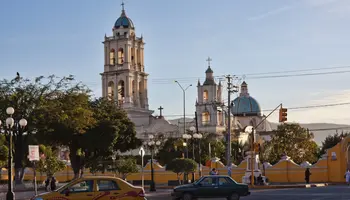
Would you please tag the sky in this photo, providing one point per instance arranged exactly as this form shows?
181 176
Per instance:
241 36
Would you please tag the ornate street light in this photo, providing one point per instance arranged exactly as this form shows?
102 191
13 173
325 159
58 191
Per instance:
198 136
152 144
186 137
10 123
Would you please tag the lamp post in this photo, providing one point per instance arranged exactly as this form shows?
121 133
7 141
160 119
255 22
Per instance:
184 102
186 137
198 136
152 145
10 123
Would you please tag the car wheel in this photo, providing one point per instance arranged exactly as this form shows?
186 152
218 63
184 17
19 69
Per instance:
187 196
234 196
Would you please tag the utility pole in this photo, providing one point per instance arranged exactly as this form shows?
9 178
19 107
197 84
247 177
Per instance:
230 89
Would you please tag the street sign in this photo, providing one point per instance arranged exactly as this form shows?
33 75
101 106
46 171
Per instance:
142 152
33 153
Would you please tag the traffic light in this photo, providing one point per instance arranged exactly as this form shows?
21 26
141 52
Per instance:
283 114
256 147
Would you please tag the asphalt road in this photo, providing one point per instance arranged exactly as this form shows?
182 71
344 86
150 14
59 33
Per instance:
321 193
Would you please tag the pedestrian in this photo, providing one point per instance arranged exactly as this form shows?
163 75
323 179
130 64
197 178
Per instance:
47 183
347 176
307 175
53 183
213 172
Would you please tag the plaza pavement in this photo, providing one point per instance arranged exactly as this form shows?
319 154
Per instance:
339 192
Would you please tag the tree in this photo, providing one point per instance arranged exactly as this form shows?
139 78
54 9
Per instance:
64 120
182 165
27 97
172 148
238 150
3 152
331 141
291 140
217 148
126 166
49 162
112 132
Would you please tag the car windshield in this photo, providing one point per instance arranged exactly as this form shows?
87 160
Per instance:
199 180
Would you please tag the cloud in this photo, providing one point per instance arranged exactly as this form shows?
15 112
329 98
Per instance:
331 114
318 3
272 12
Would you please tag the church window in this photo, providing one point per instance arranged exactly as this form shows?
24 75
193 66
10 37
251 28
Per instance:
205 95
110 90
121 91
112 57
205 118
120 56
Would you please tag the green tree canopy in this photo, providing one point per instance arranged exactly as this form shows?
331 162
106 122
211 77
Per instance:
331 141
291 140
3 151
182 165
49 162
27 97
126 166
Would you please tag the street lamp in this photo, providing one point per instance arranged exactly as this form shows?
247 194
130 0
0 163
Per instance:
186 137
9 124
198 136
152 143
184 102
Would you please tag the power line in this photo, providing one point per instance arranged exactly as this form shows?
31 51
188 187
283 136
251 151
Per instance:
266 110
251 75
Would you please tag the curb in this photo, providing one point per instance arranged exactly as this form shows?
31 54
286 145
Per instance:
289 186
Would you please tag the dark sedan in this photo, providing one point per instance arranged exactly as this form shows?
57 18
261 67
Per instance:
211 187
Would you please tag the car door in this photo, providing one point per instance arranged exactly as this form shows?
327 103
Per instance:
108 189
81 190
207 187
226 186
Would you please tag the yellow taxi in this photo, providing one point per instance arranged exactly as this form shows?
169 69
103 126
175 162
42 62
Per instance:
95 188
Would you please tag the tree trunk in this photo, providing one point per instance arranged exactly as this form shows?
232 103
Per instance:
75 161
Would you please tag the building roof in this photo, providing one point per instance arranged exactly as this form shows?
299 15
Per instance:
124 22
245 105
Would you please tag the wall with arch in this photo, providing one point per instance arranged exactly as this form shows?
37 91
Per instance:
330 168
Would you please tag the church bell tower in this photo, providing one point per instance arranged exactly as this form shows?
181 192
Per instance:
124 79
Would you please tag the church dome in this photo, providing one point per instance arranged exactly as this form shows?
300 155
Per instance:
245 105
123 21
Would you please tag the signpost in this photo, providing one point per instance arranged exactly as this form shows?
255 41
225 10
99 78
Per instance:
142 154
34 156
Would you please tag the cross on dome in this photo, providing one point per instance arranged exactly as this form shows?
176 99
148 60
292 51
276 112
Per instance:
209 60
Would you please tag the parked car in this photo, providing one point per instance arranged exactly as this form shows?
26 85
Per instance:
216 186
95 187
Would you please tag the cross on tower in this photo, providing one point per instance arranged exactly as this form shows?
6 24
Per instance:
123 5
209 60
160 111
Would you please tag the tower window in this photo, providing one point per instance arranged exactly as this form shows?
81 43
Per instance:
205 118
120 56
132 57
110 90
112 57
205 95
121 90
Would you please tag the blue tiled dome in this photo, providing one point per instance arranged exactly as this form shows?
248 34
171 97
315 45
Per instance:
245 106
123 22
